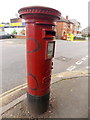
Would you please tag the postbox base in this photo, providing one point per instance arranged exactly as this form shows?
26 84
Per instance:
38 104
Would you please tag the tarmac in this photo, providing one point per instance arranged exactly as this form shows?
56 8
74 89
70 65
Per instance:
68 99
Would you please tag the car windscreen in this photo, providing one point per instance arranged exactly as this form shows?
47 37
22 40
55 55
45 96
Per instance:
3 33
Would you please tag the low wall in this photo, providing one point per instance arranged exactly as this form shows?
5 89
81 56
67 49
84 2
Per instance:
20 36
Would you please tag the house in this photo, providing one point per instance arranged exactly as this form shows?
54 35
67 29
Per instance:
15 20
64 26
76 26
86 31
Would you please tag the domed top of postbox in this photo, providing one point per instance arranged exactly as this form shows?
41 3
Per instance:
39 12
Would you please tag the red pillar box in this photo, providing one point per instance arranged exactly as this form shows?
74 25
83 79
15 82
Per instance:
40 32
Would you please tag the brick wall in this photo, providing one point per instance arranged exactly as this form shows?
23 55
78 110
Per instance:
61 28
64 27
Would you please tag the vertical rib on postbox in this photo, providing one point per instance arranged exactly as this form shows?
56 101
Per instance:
40 32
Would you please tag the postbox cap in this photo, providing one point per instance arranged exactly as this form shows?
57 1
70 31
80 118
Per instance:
39 10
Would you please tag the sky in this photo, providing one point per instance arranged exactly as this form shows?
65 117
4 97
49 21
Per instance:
75 9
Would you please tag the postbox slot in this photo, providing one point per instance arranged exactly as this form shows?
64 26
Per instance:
51 33
48 33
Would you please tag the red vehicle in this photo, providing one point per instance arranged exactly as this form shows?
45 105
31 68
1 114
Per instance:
64 37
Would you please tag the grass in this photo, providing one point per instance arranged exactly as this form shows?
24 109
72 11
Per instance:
78 40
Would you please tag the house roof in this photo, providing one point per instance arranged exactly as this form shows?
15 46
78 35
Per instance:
62 19
74 21
86 30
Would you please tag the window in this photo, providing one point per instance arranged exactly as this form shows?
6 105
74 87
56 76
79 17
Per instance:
64 25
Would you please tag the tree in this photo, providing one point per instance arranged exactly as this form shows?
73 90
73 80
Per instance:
14 32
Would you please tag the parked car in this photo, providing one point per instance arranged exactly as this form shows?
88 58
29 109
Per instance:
79 36
4 35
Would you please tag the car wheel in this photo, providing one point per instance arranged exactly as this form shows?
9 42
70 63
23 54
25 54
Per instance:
11 36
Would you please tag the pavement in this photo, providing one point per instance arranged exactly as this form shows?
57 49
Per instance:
68 99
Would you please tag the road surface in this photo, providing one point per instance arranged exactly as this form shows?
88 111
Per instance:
69 56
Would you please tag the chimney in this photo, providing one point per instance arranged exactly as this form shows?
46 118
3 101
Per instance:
67 17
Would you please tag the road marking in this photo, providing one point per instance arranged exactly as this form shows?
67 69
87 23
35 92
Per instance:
23 86
82 60
71 68
79 62
21 98
87 56
12 89
54 75
88 67
9 92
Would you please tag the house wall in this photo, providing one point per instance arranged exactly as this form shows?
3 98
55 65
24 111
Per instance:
71 28
61 28
15 20
65 27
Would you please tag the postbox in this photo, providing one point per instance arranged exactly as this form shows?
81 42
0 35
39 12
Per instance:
40 45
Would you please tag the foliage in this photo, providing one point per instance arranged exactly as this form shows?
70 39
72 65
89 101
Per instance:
22 32
14 32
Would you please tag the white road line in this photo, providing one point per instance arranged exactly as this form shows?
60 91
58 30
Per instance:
82 60
88 67
71 68
79 62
